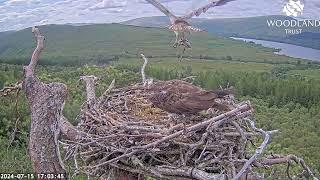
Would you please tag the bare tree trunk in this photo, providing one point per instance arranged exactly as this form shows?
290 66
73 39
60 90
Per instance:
46 104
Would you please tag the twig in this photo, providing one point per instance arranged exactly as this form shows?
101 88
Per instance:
269 161
259 150
13 135
288 171
10 89
188 172
144 80
106 92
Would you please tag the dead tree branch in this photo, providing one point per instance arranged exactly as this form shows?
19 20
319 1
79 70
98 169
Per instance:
11 89
90 89
259 150
106 92
188 172
13 134
29 70
143 74
46 103
280 159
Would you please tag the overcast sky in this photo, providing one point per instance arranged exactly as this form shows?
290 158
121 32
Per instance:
19 14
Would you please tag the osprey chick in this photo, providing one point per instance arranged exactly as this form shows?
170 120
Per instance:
181 97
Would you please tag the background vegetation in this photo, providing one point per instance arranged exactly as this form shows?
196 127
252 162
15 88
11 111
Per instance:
284 91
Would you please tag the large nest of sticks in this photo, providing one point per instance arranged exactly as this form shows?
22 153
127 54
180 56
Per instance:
124 130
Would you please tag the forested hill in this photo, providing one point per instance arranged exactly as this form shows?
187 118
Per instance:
101 43
251 27
4 34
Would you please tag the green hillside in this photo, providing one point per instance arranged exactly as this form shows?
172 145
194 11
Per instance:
251 27
99 44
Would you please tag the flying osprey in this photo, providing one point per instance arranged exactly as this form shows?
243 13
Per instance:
179 25
181 97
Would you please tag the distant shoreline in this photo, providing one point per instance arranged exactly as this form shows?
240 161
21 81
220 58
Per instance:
286 49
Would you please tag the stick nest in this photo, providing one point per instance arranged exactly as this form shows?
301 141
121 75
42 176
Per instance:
123 130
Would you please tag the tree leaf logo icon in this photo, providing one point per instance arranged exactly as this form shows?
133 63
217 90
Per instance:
293 8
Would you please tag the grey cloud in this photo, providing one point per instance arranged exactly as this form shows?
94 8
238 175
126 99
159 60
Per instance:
22 2
109 4
17 14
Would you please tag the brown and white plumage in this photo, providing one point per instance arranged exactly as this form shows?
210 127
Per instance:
181 97
199 11
179 25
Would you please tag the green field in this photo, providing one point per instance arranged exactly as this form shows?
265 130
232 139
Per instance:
283 90
199 65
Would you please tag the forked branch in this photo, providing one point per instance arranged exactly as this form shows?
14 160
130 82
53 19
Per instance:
266 135
280 159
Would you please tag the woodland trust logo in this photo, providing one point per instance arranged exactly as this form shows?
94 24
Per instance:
294 9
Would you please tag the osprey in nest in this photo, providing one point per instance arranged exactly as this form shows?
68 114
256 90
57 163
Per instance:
181 97
180 26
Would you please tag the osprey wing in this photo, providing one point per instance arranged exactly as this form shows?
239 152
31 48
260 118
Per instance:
204 9
176 96
163 9
194 102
